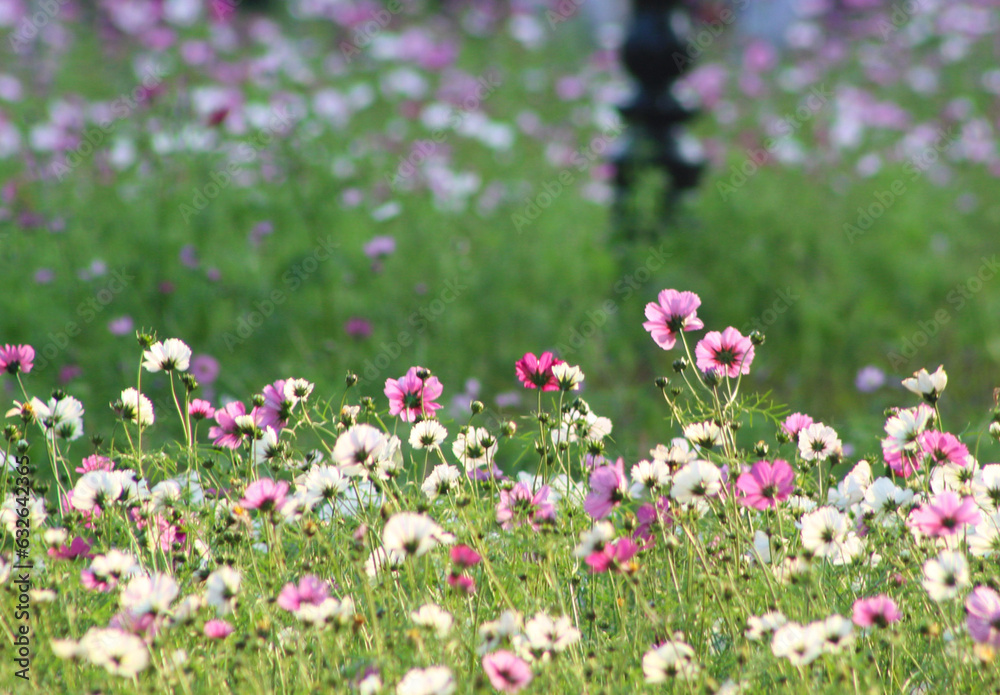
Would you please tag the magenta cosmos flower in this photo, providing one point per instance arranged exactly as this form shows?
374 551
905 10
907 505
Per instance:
410 396
310 590
607 489
218 629
507 673
766 484
518 506
795 423
463 556
944 515
234 425
983 615
729 353
17 358
617 555
943 448
265 495
277 408
879 611
536 372
674 312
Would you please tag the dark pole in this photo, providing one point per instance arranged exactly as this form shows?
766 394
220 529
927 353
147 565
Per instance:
656 54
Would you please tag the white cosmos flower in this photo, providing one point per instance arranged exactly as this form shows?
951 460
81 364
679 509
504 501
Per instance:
649 478
170 355
474 447
800 645
64 417
296 390
149 594
704 434
669 660
582 424
389 461
757 627
221 589
97 489
493 633
594 539
851 489
824 531
547 634
434 618
676 455
119 653
267 448
380 559
114 565
324 482
986 488
929 386
434 680
428 434
442 480
330 610
886 501
903 428
984 538
696 482
357 449
136 407
946 575
569 377
818 442
955 477
412 534
10 512
836 632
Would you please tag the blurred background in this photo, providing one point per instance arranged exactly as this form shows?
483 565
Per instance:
309 187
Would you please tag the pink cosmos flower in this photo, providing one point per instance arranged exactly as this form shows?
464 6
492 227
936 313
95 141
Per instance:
310 589
205 369
358 327
766 484
218 629
463 556
795 423
614 556
674 312
276 409
200 409
462 583
983 615
96 463
410 396
234 425
608 488
944 515
943 448
879 611
902 463
78 547
536 372
728 353
518 506
17 358
507 673
648 515
265 495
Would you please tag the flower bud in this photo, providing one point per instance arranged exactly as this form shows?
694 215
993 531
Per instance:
351 379
680 364
757 338
477 407
661 382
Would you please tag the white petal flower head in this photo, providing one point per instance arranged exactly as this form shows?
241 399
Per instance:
696 482
569 377
356 449
928 386
984 538
296 390
818 442
836 632
411 534
167 356
380 559
798 644
886 501
119 653
904 427
97 489
389 459
649 478
757 627
852 488
474 447
676 455
594 539
668 661
149 594
824 531
946 575
221 589
10 512
434 618
428 434
986 488
442 480
435 680
137 408
268 448
547 634
324 482
493 633
706 435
